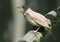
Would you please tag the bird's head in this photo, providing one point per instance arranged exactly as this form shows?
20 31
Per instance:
23 8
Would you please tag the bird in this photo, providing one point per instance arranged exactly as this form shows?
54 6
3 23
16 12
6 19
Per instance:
35 18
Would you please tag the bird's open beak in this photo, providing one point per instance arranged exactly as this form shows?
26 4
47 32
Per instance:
21 9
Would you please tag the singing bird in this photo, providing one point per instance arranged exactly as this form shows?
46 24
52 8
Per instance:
36 18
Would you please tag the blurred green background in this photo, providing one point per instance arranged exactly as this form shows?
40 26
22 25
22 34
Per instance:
41 6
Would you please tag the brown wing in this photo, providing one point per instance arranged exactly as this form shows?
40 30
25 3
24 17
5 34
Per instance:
40 21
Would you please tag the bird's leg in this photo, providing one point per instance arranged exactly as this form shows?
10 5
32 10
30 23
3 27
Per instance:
37 29
35 32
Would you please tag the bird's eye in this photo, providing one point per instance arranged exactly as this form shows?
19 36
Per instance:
23 7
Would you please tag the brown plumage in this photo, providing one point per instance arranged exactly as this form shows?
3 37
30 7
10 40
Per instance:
37 18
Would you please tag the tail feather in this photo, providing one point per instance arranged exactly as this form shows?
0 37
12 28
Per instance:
50 31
